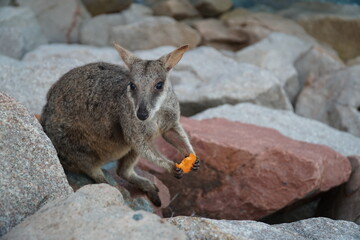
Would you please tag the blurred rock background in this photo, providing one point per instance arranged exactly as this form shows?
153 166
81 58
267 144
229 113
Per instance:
270 97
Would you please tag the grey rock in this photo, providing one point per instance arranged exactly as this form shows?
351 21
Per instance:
206 78
4 3
136 12
168 32
334 99
60 20
277 53
212 8
13 44
314 228
29 80
93 212
323 229
316 62
96 31
74 53
289 124
19 31
30 171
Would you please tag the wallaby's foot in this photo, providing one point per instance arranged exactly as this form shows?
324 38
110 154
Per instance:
146 186
150 189
152 193
97 175
178 172
196 165
154 197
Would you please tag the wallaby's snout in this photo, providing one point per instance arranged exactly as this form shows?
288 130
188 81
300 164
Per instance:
142 114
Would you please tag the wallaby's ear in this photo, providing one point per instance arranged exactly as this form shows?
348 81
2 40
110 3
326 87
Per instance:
171 59
125 55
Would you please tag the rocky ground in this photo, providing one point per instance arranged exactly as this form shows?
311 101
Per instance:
270 100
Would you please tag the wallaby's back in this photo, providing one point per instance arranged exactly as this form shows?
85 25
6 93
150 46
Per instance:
83 109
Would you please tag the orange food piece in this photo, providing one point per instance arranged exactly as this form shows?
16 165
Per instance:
187 163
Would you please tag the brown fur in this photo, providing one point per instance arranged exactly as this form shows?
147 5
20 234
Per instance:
92 117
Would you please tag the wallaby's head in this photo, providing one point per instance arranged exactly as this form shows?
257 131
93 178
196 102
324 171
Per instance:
148 83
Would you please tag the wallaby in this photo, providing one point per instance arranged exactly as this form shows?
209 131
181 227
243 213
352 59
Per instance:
102 112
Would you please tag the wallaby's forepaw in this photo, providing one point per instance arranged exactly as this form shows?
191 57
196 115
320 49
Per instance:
196 165
178 172
154 197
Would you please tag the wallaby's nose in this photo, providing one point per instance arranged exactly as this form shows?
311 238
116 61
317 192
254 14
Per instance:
142 114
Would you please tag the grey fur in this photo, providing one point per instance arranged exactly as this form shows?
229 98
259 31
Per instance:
91 118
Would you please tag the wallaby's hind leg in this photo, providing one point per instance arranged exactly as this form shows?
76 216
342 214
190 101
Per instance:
126 170
96 174
85 163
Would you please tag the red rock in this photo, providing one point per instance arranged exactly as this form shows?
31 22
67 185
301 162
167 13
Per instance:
248 171
343 202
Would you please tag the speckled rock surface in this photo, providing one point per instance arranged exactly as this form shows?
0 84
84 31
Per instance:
206 78
277 53
97 30
30 171
93 212
333 99
20 32
314 228
316 62
289 124
59 20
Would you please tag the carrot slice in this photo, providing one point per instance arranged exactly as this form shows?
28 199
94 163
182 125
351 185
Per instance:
187 163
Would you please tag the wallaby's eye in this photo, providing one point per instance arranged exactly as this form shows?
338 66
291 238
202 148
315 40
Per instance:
132 86
159 85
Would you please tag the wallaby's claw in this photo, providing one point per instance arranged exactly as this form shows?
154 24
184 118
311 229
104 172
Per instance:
154 198
196 165
178 172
